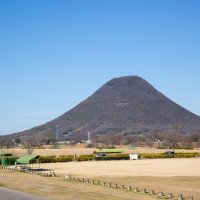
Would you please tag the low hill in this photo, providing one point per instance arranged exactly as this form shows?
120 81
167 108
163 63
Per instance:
123 105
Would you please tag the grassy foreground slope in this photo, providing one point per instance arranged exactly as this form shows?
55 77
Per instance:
59 189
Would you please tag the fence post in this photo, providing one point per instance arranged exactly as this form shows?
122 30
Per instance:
122 187
144 190
170 195
152 192
109 184
180 197
136 189
129 188
160 194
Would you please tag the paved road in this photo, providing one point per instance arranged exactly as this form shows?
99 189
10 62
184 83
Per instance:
8 194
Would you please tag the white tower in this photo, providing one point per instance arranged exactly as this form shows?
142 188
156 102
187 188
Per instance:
89 139
57 132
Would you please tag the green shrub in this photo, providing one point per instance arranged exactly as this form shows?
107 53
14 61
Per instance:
154 155
114 157
47 159
65 158
106 147
51 159
88 157
178 147
162 155
187 155
188 148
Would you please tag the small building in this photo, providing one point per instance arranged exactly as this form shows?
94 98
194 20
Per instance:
4 158
27 159
133 156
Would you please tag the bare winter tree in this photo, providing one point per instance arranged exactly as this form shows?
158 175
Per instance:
171 139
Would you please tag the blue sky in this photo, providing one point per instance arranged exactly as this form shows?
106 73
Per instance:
54 54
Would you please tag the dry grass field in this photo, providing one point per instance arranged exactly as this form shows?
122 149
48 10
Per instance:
57 188
81 150
121 168
167 175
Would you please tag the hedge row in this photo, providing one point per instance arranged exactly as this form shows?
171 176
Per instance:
89 157
114 157
162 155
69 158
187 155
86 157
53 159
178 147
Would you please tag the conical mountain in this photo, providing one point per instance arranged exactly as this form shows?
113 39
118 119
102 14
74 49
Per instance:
126 104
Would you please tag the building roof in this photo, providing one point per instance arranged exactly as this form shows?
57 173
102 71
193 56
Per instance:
26 159
5 154
108 151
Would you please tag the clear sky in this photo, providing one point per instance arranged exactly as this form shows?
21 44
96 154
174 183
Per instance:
55 53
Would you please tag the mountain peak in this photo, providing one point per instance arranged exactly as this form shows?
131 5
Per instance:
126 81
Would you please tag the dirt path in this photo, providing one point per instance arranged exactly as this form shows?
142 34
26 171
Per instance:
8 194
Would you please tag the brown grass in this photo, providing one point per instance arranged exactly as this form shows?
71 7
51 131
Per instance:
154 167
59 189
167 175
81 150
